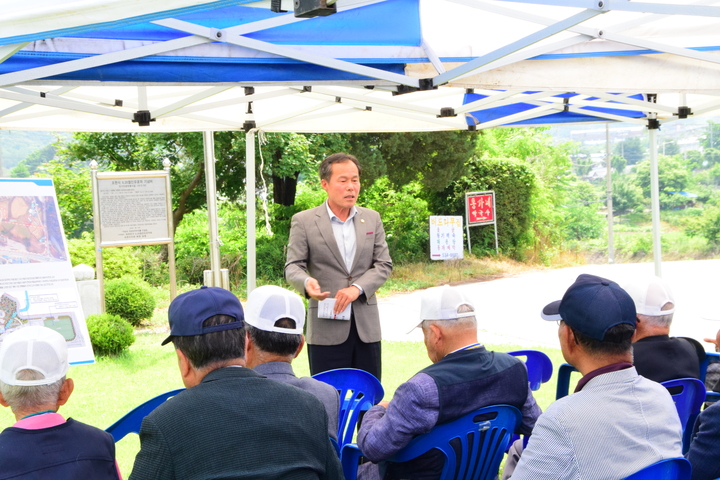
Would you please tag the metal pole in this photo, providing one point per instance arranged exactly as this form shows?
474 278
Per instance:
608 164
171 230
250 194
209 144
655 202
467 224
96 230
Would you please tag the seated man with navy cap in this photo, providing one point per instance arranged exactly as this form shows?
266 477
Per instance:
275 319
617 422
230 422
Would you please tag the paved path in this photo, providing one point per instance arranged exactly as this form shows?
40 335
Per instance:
509 308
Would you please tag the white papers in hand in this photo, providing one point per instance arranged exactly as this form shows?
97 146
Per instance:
326 307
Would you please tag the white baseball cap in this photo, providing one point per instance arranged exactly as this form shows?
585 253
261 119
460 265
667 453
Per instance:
35 348
269 303
649 295
442 303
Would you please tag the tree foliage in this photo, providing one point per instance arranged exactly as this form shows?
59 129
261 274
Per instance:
632 149
74 194
673 176
432 158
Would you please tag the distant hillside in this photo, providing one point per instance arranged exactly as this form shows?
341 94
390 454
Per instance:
16 145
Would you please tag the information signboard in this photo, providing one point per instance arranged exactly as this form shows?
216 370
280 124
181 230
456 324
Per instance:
480 210
37 285
446 237
133 208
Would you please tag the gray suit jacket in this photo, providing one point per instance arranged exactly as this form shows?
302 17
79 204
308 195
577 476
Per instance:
283 372
313 252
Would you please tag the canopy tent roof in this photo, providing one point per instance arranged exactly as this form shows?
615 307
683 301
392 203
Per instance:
195 65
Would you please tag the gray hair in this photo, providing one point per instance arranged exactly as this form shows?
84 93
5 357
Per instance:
459 323
24 398
659 320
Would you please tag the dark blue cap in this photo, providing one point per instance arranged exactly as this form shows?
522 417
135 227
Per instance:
189 310
592 306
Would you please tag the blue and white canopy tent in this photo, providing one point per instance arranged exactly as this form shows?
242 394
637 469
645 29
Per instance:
374 65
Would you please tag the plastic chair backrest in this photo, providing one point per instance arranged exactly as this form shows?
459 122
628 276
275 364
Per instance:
539 366
359 390
473 445
669 469
688 395
563 380
131 421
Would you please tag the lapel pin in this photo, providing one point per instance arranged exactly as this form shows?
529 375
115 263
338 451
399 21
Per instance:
362 220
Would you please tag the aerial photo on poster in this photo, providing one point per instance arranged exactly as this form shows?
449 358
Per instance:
30 230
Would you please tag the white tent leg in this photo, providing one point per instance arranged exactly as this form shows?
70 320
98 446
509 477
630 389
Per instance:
250 194
655 201
210 187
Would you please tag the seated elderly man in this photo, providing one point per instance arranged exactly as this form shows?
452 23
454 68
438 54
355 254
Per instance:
230 422
42 444
464 376
275 318
657 355
617 422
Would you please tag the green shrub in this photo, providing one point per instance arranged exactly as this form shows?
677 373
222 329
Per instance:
405 218
109 334
117 261
130 298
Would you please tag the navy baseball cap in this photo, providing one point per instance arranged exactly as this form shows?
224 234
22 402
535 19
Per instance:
189 310
592 306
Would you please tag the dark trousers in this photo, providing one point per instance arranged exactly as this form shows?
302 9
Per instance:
352 353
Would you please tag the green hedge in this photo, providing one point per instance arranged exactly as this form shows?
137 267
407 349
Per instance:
130 298
109 334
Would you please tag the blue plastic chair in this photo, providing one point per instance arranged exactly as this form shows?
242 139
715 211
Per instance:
359 390
473 445
563 380
688 395
670 469
539 366
131 421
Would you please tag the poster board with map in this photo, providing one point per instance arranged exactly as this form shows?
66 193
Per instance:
37 285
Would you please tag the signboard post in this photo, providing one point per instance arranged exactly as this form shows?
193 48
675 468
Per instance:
132 208
37 284
480 210
446 237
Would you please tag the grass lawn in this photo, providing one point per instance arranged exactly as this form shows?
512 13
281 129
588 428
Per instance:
108 389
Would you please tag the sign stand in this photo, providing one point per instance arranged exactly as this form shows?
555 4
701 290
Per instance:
129 209
480 210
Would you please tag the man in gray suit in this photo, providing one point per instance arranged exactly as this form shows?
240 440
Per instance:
275 319
338 251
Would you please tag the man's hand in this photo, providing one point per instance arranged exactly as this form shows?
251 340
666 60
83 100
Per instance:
715 341
312 287
384 403
345 297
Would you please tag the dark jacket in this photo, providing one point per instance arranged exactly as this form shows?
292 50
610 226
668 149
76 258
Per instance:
237 425
69 451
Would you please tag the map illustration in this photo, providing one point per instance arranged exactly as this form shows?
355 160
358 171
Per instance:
30 230
12 318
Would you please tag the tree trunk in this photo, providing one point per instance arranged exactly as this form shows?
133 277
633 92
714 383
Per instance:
284 190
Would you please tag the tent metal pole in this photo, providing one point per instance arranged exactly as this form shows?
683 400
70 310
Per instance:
211 189
250 206
655 201
608 165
